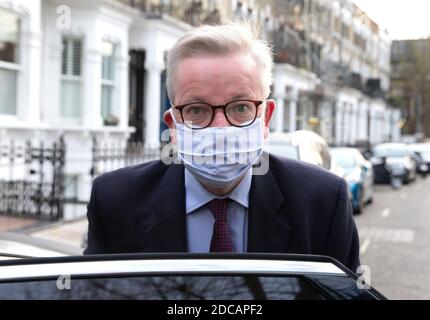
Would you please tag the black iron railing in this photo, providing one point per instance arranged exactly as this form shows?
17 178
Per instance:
109 156
32 179
33 175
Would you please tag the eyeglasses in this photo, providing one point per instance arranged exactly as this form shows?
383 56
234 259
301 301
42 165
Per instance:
199 115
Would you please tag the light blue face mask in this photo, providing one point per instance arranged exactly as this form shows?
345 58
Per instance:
218 157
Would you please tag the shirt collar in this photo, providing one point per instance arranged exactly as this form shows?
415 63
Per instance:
197 196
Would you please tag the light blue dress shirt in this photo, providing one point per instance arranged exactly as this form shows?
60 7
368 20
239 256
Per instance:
200 219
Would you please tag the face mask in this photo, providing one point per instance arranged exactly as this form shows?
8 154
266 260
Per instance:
217 157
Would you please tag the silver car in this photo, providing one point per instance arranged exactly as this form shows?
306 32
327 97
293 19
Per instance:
302 145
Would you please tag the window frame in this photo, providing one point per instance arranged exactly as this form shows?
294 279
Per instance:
70 78
15 67
109 83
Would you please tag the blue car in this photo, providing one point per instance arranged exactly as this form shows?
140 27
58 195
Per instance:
358 173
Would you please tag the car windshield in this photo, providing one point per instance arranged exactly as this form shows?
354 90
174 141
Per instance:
422 149
344 158
284 150
390 151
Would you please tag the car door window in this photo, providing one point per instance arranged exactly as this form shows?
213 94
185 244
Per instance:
343 288
182 287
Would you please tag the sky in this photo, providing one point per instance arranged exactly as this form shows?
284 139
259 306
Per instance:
404 19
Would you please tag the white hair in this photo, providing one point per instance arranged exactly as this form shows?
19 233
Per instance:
230 38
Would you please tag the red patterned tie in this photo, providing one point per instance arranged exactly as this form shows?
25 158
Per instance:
221 237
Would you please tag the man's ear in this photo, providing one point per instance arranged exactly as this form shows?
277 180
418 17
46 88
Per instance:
168 120
270 109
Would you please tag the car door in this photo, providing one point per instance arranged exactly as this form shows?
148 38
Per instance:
180 277
177 286
367 174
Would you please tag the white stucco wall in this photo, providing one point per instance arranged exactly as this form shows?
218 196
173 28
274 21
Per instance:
156 37
288 81
28 86
93 24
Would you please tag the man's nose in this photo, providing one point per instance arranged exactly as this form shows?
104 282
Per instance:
219 119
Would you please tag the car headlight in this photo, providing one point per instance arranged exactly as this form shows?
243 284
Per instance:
424 167
354 176
408 164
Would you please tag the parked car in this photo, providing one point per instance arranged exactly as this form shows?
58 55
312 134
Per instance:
398 157
183 277
358 173
421 151
364 147
303 145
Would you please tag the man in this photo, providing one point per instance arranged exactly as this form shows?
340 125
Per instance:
218 80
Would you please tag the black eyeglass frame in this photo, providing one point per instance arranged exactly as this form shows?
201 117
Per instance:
257 103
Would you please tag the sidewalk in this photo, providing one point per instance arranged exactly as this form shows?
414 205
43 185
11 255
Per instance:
11 224
70 233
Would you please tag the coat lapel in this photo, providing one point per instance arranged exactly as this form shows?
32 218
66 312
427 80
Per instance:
167 233
267 232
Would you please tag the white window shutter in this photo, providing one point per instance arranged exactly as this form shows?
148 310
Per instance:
8 81
76 57
108 81
9 53
71 81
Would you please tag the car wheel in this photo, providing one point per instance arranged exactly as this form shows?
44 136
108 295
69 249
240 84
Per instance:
396 183
359 209
369 195
414 177
407 178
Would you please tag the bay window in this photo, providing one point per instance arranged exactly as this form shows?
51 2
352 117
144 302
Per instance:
9 61
108 84
71 78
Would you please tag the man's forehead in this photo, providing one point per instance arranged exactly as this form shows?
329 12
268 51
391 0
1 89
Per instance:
199 97
225 77
240 60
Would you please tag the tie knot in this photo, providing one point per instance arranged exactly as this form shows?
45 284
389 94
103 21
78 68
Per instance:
219 209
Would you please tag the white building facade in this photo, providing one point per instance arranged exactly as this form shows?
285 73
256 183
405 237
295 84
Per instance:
64 69
355 67
80 69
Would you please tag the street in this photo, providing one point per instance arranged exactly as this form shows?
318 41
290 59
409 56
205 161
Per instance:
394 235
